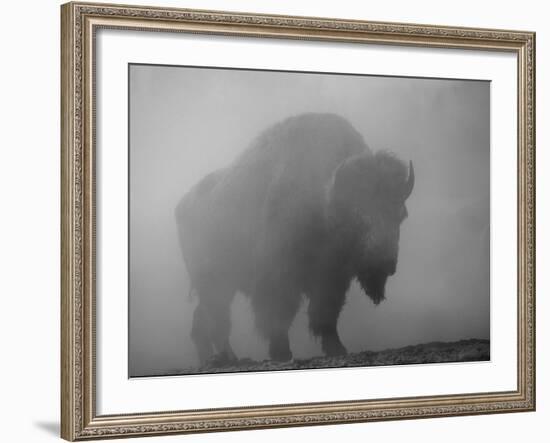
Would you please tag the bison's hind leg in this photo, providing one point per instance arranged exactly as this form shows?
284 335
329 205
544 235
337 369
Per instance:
324 309
212 324
275 305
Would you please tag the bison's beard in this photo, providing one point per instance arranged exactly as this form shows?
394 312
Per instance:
374 284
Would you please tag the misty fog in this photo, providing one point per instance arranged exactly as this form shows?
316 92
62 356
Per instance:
186 122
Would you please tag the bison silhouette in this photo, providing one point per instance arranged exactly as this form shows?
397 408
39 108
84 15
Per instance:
304 210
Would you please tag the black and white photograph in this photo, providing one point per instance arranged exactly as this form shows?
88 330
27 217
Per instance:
283 220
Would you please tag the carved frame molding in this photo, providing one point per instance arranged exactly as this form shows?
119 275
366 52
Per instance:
79 22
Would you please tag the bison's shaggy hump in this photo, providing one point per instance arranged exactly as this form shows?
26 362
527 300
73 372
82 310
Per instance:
306 134
311 143
299 154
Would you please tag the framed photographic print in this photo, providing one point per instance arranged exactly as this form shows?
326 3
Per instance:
282 221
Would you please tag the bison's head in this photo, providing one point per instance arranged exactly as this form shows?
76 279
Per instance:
367 203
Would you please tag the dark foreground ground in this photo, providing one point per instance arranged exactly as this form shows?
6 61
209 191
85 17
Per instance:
436 352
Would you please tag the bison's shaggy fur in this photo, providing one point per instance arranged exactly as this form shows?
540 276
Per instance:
305 209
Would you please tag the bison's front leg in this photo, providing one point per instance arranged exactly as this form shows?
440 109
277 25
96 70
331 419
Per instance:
275 304
324 309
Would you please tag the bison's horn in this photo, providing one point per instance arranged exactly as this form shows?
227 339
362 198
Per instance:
410 182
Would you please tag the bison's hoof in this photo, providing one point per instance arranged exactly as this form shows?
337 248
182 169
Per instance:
281 356
220 360
334 349
280 353
339 352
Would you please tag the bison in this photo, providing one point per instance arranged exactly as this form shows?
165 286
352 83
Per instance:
304 210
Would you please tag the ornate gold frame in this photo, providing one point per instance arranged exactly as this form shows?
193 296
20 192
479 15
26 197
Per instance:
79 21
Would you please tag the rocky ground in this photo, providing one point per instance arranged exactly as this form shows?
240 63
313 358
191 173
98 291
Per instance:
436 352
